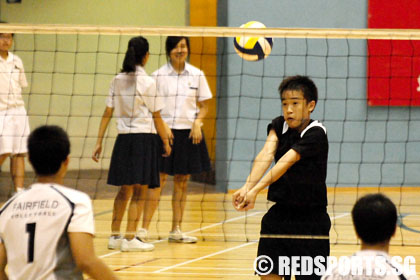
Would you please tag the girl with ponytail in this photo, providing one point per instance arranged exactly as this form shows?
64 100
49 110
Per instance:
136 102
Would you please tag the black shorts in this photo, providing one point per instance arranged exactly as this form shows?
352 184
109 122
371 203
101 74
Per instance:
287 232
135 160
186 157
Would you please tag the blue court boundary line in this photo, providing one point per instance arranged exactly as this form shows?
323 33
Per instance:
401 224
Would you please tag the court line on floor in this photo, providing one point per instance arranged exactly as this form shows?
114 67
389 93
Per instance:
102 213
214 225
205 257
226 250
195 230
136 264
185 267
208 274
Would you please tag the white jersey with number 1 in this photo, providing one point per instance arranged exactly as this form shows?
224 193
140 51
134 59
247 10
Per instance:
34 228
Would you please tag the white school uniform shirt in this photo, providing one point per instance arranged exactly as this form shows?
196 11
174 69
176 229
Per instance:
12 80
134 97
34 227
386 265
181 91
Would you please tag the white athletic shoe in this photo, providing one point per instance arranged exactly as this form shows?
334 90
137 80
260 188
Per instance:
114 242
136 245
143 234
179 237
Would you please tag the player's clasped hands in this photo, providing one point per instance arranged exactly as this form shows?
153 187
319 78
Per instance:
244 199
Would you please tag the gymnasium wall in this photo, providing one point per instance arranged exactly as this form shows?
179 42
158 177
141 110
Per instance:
369 146
76 101
358 153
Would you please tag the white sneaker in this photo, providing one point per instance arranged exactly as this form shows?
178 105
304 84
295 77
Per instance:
114 242
142 234
179 237
135 245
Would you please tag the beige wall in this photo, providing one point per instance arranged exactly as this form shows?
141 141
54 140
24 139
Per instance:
69 75
106 12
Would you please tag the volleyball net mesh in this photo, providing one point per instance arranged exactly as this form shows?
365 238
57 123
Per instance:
369 92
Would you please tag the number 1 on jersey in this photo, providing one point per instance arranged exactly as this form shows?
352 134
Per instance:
30 229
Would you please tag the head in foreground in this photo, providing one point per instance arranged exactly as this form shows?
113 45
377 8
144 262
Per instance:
375 220
49 149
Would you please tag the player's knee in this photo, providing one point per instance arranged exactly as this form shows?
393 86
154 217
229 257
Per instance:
125 192
155 193
181 178
139 192
163 178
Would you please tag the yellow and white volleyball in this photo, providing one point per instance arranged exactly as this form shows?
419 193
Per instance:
253 48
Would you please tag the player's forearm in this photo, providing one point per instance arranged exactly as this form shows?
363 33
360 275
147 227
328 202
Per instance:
98 270
261 163
278 170
102 128
104 124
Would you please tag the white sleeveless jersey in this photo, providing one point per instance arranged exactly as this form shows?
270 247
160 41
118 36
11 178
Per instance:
34 226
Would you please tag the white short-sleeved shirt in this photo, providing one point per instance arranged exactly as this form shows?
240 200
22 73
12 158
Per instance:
134 97
182 92
12 80
34 226
371 260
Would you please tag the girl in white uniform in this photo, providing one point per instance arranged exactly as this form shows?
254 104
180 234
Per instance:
135 158
186 94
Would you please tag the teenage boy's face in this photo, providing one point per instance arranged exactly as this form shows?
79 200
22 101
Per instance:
296 110
6 41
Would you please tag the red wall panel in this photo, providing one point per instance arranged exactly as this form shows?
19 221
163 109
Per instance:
394 65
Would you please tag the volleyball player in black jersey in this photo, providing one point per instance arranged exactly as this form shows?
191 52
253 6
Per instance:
298 223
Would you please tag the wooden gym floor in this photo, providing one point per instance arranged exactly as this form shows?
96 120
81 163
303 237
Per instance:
227 239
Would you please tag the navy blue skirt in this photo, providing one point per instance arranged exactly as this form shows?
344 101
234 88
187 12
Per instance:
186 157
135 160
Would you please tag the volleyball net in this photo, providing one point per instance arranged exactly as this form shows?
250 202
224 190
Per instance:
369 93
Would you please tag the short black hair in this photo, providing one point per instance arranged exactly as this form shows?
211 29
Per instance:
172 41
48 147
374 218
300 83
